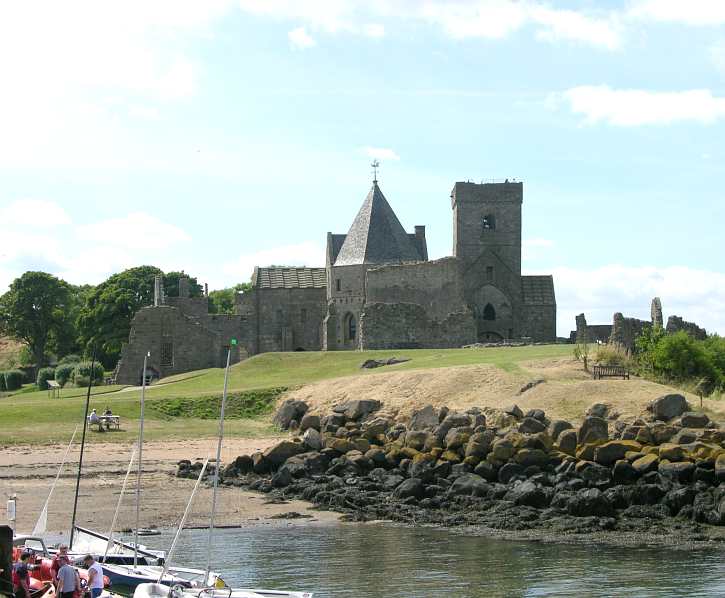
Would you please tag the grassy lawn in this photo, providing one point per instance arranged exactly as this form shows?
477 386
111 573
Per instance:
30 417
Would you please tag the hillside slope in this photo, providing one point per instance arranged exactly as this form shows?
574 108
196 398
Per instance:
566 392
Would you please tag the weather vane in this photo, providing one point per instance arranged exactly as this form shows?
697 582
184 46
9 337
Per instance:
375 166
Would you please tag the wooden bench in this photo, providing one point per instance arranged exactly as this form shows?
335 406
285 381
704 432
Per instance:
108 421
610 371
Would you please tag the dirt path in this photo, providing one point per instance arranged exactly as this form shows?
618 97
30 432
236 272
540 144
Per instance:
28 472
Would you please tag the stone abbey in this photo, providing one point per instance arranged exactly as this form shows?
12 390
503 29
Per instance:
377 290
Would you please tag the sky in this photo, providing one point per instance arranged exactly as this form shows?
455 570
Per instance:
216 135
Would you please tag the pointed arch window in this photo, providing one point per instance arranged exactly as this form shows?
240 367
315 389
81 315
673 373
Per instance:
488 222
350 327
489 312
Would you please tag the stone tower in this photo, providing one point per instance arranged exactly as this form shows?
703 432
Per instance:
487 239
375 238
656 313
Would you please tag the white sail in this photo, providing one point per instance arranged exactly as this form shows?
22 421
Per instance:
42 523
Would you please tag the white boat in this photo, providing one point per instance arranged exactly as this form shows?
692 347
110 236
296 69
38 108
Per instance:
154 590
211 590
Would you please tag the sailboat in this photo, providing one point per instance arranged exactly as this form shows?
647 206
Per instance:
140 570
159 590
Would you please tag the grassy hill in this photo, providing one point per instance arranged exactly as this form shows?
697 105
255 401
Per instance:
183 406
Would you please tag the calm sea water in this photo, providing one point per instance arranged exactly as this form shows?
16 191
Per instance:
382 560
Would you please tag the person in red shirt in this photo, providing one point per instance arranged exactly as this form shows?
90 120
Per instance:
60 559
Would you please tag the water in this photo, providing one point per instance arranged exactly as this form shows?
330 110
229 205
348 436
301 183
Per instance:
375 561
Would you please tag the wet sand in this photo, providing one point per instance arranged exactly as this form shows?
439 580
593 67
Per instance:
28 472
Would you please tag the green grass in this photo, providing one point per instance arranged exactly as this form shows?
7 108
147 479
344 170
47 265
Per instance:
184 406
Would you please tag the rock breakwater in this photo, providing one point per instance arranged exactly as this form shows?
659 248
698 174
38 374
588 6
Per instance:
508 470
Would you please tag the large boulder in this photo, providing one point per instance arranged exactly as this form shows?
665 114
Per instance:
289 411
531 425
557 427
567 442
668 407
693 419
514 411
452 420
358 408
678 472
312 439
424 419
720 468
416 439
479 445
276 455
310 421
598 410
458 437
412 487
589 502
527 457
469 484
593 429
645 464
614 450
529 494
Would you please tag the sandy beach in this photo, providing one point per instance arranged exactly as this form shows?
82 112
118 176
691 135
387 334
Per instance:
28 472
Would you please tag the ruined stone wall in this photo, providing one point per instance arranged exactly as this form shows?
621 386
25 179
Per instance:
407 326
177 344
656 313
436 286
283 319
676 323
626 330
195 307
346 296
538 322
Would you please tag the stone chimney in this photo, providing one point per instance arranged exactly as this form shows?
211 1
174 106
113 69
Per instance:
158 291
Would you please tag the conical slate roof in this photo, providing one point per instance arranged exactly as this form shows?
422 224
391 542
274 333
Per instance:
376 235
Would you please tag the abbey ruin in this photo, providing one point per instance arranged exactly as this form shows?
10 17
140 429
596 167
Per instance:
377 290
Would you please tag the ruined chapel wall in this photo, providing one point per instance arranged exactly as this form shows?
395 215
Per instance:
538 322
626 330
676 323
436 286
407 326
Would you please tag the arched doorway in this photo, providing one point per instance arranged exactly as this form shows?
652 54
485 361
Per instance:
494 314
350 328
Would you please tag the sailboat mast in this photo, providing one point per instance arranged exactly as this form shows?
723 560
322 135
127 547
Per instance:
83 446
140 459
42 522
216 469
118 506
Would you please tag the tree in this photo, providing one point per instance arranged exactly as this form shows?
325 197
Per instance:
222 301
171 285
104 322
36 310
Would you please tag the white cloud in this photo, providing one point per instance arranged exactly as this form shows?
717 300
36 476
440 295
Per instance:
307 253
696 295
40 235
300 39
633 107
381 153
691 12
460 19
717 55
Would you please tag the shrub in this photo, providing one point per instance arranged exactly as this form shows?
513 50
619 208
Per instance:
2 382
82 373
14 379
74 359
44 374
612 355
64 372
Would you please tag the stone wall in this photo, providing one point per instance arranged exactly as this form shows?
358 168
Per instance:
538 322
626 330
437 286
283 319
656 313
676 323
407 326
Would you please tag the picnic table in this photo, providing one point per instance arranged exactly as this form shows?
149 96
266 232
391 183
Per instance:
107 421
53 389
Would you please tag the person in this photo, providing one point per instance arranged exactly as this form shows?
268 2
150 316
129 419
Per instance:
59 560
68 580
21 577
95 575
108 411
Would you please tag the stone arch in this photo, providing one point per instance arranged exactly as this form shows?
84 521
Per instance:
349 327
494 313
489 312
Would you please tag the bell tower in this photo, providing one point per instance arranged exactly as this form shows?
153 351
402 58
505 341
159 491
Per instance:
488 217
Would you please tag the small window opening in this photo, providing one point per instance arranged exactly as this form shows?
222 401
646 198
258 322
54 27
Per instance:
489 313
351 327
489 273
488 222
303 315
166 357
337 284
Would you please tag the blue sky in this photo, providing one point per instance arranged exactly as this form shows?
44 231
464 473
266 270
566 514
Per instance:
213 136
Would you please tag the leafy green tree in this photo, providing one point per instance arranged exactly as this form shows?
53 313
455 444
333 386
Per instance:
35 310
171 285
104 321
222 301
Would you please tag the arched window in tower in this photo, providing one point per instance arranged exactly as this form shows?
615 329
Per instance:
489 313
488 222
350 327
